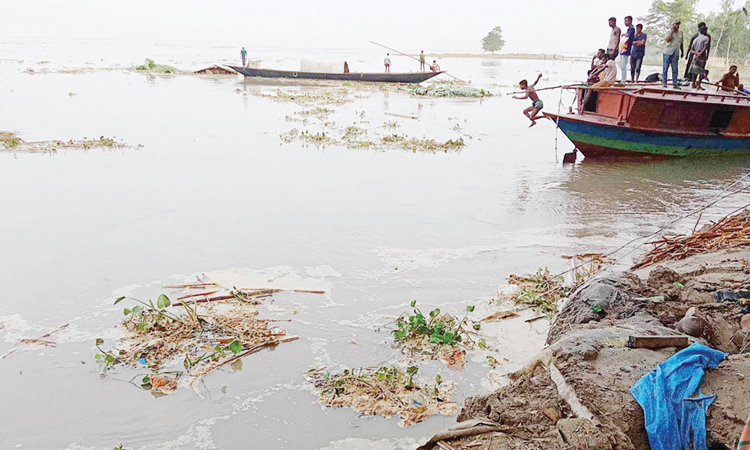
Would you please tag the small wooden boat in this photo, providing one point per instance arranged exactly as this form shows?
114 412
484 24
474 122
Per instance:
635 120
415 77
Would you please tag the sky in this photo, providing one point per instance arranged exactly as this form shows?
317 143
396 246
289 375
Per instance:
543 26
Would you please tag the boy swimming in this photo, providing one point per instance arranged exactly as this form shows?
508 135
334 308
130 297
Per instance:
536 104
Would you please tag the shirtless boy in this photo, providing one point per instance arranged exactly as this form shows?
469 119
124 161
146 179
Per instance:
536 104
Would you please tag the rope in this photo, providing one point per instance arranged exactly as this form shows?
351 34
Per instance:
717 198
557 124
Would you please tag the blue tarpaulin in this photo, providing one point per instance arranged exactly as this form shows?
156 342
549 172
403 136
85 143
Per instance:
674 409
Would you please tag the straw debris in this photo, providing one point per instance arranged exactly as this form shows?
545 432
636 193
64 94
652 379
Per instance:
183 341
729 232
539 291
384 391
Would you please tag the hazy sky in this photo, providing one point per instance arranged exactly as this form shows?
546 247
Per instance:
549 26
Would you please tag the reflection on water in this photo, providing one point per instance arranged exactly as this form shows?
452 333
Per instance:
214 188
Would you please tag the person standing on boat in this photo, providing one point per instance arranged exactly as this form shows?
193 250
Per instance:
699 54
614 39
627 48
387 63
637 53
672 54
536 104
243 56
689 56
422 63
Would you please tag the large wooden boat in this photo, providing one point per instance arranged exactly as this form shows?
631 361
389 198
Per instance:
411 77
654 121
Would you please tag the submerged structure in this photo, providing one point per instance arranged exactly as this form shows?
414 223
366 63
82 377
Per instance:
638 120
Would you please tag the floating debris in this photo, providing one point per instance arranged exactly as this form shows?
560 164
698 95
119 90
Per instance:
183 341
729 232
415 145
448 90
385 391
11 141
151 66
435 336
540 291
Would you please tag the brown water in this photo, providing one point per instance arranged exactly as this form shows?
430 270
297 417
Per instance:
213 189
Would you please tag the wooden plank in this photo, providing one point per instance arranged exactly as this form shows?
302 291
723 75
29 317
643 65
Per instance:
657 341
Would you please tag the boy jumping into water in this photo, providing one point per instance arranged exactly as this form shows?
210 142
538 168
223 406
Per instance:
536 104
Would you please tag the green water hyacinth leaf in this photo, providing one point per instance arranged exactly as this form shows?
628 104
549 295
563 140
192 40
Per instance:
163 301
119 299
141 326
146 380
109 358
126 311
470 308
235 346
413 303
137 310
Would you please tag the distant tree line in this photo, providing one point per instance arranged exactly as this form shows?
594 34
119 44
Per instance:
729 27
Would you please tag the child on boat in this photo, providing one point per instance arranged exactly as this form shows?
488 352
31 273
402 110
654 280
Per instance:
536 104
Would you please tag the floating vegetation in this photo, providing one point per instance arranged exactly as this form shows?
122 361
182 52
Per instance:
9 140
320 97
541 291
180 342
448 90
415 144
391 124
151 66
385 391
12 141
436 335
294 134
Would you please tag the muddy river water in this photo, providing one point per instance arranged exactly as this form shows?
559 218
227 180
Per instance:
207 185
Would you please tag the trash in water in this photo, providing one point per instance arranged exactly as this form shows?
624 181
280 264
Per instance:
384 391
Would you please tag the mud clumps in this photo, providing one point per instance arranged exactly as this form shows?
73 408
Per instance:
575 393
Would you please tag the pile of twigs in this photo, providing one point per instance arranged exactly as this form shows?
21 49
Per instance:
384 391
729 232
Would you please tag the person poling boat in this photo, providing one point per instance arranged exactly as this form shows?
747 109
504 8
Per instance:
536 104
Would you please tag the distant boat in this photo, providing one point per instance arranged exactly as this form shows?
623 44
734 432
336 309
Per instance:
415 77
637 121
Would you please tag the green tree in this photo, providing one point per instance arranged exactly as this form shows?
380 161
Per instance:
730 33
494 41
658 22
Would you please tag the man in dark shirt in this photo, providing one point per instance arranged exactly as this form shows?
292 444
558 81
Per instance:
627 43
637 52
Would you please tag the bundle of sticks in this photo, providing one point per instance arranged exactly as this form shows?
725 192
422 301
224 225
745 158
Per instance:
729 232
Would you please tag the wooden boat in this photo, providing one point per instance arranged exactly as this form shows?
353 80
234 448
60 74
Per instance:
654 121
415 77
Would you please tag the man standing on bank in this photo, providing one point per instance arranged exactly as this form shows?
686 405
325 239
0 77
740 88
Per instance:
672 54
627 47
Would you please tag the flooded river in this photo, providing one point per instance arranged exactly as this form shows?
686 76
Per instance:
207 185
